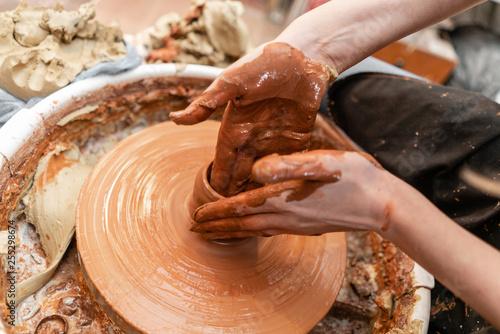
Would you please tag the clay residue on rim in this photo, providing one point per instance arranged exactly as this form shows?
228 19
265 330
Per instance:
397 296
377 295
120 106
66 296
55 164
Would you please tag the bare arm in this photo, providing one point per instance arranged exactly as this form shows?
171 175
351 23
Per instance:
327 191
465 264
343 32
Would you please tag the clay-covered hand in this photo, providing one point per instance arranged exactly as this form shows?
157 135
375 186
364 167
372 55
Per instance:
306 193
272 97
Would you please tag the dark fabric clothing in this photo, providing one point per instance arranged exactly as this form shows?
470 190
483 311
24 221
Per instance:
426 134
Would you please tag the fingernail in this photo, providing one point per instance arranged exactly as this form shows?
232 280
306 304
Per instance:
175 113
198 217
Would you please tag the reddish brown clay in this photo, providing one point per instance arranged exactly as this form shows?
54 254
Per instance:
155 276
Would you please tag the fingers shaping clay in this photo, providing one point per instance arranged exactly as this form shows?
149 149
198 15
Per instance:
155 276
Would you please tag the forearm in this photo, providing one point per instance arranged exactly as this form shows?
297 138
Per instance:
343 32
462 262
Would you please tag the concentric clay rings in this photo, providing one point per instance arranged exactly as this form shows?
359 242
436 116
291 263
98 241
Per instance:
155 276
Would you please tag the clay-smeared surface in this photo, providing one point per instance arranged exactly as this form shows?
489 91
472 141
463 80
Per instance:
64 304
257 123
272 101
156 276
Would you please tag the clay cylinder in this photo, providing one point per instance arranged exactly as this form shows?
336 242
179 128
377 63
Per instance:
203 193
202 190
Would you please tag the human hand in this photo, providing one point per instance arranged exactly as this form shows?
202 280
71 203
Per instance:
273 95
306 193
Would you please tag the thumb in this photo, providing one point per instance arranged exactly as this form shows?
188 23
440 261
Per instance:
318 165
215 96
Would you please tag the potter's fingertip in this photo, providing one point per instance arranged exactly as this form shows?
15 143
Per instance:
200 214
183 117
193 227
197 216
177 117
174 117
176 114
265 173
260 170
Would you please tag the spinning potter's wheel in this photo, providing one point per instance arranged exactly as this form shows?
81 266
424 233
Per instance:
153 275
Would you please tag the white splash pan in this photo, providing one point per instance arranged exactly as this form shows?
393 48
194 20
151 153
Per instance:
22 126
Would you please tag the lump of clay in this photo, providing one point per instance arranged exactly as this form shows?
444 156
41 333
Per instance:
211 33
43 49
27 30
225 29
